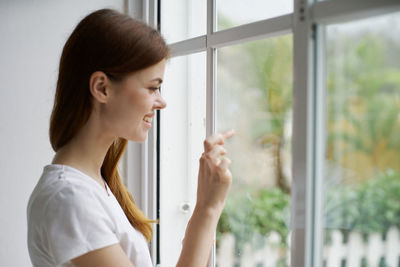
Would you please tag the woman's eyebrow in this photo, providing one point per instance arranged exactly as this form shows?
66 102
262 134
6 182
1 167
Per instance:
159 80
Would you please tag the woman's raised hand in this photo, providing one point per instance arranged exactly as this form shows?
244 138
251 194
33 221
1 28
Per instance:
214 178
213 185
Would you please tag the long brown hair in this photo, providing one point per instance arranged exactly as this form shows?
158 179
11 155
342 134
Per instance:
118 45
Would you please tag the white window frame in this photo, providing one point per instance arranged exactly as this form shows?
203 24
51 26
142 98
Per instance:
306 23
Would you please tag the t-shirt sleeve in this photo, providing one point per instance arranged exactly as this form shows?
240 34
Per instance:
76 223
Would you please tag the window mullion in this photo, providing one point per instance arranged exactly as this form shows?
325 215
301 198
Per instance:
250 32
319 133
210 94
148 177
303 137
188 46
210 79
253 31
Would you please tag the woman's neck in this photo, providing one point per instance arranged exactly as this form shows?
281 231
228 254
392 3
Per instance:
86 151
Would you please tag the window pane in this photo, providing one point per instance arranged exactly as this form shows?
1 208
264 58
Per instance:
231 13
254 96
183 19
182 135
362 195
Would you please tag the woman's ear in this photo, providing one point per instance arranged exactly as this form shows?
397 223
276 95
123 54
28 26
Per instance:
98 86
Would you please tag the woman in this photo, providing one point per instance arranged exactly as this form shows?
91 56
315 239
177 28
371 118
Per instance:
80 214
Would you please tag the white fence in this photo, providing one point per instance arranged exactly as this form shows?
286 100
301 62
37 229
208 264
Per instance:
355 252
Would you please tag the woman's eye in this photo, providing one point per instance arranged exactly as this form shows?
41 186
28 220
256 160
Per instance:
154 88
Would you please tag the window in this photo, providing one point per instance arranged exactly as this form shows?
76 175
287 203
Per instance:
312 89
183 19
183 128
362 180
253 96
231 13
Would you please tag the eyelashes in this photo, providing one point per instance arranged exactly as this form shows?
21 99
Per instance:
154 88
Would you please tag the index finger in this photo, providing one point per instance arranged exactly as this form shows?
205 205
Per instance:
214 139
228 134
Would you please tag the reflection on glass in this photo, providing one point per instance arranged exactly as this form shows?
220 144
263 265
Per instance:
254 96
362 183
183 19
233 13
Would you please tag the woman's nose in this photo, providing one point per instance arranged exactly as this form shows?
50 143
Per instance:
160 102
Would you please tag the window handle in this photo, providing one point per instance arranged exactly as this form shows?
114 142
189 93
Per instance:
185 207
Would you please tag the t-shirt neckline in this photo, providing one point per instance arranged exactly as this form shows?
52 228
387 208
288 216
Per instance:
63 167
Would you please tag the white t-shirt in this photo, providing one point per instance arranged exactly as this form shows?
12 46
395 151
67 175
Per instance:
70 214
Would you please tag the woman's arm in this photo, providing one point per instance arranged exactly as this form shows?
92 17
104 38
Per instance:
198 240
213 184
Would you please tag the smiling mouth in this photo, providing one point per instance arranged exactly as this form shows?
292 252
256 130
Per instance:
147 119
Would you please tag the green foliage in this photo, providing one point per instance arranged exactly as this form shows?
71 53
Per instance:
363 98
257 212
370 207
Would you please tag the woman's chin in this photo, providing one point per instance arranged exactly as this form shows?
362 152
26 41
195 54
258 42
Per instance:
138 139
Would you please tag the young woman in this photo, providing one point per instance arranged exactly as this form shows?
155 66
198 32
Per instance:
80 213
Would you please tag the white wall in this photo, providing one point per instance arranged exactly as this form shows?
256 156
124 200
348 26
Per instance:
32 34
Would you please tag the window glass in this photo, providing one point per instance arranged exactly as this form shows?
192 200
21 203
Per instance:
183 132
362 182
254 97
183 19
231 13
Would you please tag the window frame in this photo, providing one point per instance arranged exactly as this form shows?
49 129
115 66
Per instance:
140 163
306 23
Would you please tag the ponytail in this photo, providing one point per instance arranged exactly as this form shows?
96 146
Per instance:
109 171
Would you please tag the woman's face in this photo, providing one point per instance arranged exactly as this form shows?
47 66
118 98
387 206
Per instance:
133 101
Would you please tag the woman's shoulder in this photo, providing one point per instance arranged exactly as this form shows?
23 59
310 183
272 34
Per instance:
60 187
67 216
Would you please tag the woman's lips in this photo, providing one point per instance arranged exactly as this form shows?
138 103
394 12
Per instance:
148 125
148 119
